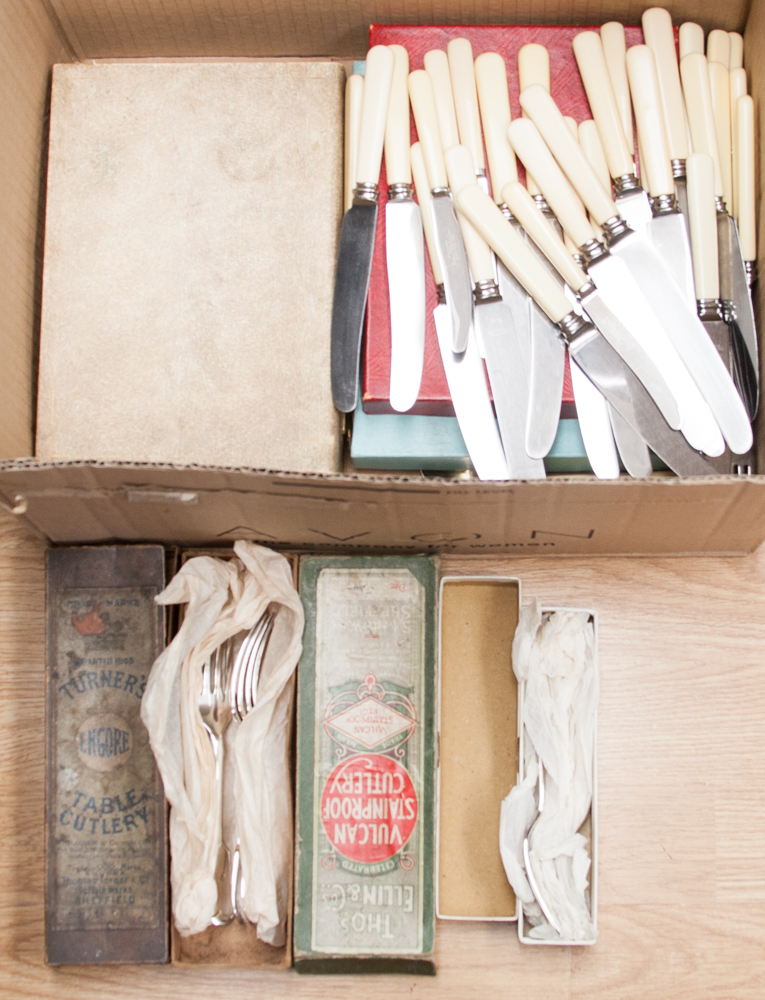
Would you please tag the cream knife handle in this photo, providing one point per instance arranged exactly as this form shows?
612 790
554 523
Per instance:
537 158
424 197
703 219
354 94
646 100
736 59
374 111
544 112
718 47
437 67
459 52
719 87
591 60
691 38
528 213
737 89
397 135
660 39
533 68
589 140
494 102
426 120
461 173
698 101
520 259
747 220
615 52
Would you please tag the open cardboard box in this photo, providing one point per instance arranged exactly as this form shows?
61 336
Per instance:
480 750
93 501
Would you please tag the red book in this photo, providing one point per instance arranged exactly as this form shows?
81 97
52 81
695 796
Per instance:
567 91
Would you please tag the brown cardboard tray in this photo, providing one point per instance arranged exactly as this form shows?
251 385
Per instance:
92 501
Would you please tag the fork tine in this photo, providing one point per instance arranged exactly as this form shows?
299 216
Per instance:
256 634
256 662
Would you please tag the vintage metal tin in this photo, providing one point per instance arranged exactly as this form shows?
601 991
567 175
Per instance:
364 897
106 892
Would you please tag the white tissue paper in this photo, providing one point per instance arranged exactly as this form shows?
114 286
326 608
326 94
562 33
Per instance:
225 597
554 655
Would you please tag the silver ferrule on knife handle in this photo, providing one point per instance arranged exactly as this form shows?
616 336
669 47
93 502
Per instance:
486 291
366 194
400 192
592 250
574 327
750 266
615 229
664 204
678 169
543 206
709 309
626 183
505 210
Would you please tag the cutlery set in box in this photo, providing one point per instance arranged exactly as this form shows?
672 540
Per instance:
587 255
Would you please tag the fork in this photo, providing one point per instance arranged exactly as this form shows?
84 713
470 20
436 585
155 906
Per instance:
215 713
243 692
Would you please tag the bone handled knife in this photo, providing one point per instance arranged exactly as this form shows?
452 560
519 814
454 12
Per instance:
631 200
737 89
597 359
465 372
667 230
734 285
357 234
614 44
504 360
404 248
691 37
671 306
534 69
747 231
543 353
354 94
494 106
459 52
448 238
611 298
719 86
703 218
632 449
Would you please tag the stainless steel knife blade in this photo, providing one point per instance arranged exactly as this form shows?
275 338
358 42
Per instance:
633 451
595 426
669 235
405 253
472 406
546 372
686 333
509 384
737 307
626 394
354 266
454 267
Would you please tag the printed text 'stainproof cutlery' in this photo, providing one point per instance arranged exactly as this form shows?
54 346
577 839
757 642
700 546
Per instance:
357 235
734 285
610 298
464 373
593 354
449 245
404 247
508 377
679 321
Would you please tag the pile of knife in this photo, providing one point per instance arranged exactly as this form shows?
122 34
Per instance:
645 277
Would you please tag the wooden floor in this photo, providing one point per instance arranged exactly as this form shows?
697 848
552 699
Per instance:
682 801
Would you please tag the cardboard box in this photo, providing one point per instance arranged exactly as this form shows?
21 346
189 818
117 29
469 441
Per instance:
478 744
235 945
590 826
366 747
94 501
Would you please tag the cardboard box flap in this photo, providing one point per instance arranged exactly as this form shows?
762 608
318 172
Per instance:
96 502
127 28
